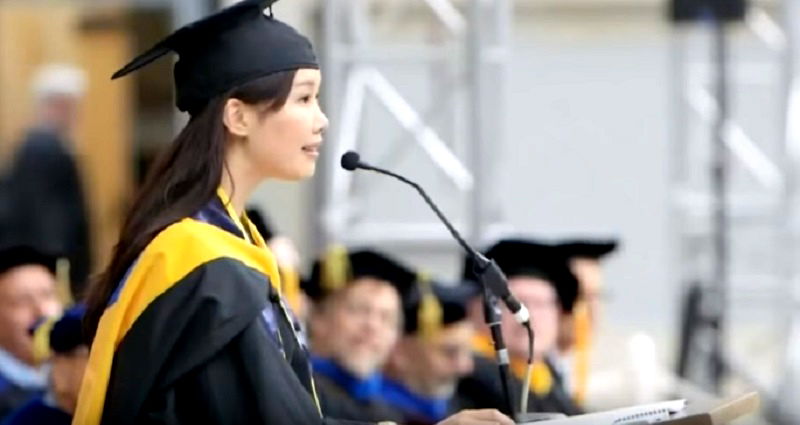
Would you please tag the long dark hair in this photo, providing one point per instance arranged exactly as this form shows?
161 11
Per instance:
183 179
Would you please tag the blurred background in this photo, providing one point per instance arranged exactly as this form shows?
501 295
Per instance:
548 118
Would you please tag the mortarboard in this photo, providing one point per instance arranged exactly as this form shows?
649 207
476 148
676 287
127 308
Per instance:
338 268
588 248
58 334
21 255
236 45
525 257
451 306
67 332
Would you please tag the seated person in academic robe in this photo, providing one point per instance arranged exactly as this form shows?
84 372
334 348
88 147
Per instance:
27 293
355 321
69 354
434 353
575 338
540 278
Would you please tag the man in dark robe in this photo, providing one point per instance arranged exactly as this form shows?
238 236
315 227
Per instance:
27 294
576 334
355 321
540 278
44 203
69 354
434 353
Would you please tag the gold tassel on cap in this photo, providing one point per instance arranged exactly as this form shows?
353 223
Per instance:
583 346
41 335
335 271
41 340
63 288
429 312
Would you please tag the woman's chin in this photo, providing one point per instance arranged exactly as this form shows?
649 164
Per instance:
298 174
307 173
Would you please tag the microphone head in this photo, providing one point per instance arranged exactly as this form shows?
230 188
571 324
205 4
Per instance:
350 161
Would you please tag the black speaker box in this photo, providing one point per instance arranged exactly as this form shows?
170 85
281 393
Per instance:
700 10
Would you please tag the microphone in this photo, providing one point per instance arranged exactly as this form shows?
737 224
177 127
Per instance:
488 271
351 161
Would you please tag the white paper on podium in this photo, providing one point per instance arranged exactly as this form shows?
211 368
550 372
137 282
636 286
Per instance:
648 413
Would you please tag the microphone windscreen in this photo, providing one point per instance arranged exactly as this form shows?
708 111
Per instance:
350 160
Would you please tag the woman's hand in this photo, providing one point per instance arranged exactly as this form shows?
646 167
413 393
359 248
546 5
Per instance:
477 417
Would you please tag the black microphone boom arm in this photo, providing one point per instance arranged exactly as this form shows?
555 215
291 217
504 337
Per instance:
487 270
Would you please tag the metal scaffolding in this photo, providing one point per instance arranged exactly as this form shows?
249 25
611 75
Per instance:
468 55
754 268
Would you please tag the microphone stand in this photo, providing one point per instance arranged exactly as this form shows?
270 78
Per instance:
494 282
492 317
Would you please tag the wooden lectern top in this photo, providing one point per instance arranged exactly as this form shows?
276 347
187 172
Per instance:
665 413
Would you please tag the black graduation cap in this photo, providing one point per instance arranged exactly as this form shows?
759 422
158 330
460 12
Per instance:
451 303
525 257
21 255
234 46
67 332
588 248
338 268
58 334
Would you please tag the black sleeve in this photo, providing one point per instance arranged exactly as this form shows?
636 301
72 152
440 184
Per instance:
483 389
246 383
12 398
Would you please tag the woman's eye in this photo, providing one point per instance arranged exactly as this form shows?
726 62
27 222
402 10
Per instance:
305 99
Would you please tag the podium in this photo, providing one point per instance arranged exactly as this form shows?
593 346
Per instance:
666 413
723 414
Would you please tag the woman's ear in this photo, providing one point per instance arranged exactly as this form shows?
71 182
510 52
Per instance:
235 116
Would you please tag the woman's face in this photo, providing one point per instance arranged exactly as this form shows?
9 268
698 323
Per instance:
284 144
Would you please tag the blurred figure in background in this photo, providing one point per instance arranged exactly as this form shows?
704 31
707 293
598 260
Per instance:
45 199
355 322
577 333
435 352
540 278
27 294
288 258
68 363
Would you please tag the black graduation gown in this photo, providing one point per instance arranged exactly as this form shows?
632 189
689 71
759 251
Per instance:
482 389
37 412
557 400
337 403
13 396
45 204
212 347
